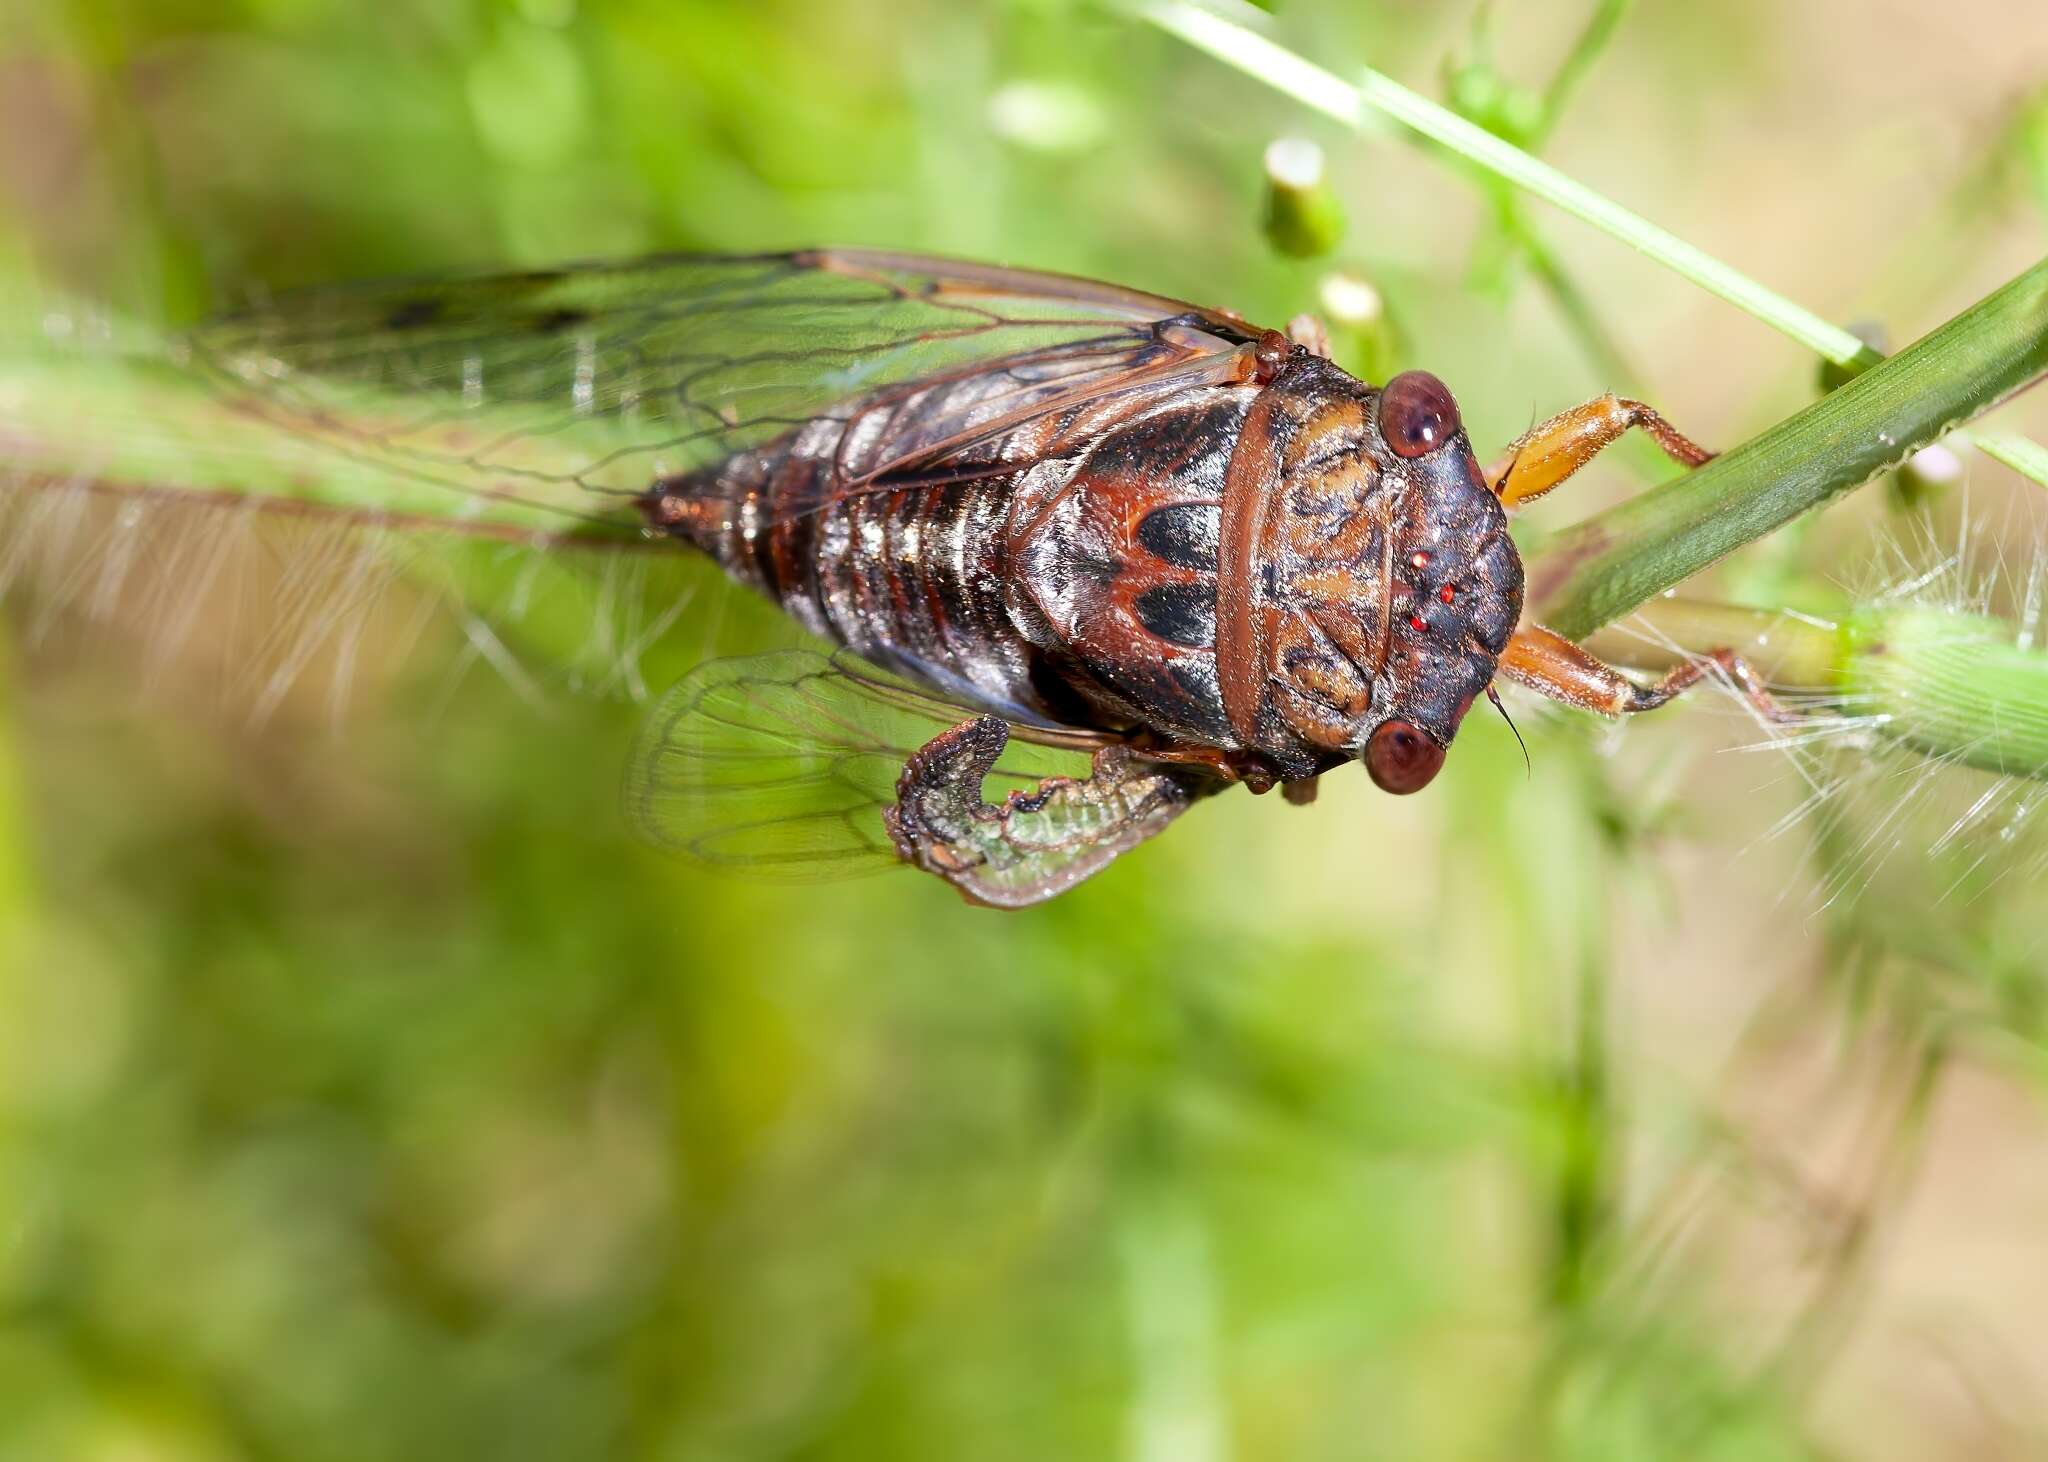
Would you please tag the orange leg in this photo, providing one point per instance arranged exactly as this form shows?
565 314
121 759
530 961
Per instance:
1546 661
1548 453
1554 666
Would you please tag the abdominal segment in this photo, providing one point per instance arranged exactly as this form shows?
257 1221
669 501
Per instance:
908 578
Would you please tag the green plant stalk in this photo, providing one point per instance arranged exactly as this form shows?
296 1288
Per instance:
2028 458
1303 222
1795 653
1951 685
1603 567
1593 39
1280 68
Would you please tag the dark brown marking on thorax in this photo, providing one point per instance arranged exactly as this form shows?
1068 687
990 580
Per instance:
1113 566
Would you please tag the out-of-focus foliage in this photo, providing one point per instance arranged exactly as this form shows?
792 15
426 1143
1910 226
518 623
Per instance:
366 1093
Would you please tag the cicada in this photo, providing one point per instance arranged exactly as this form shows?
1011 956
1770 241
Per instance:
1028 507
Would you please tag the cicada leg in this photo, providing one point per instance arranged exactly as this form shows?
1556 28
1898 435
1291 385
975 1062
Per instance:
1554 666
1545 661
1035 843
1256 773
1548 453
1301 792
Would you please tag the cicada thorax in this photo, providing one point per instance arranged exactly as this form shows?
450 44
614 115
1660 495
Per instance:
1358 584
1253 567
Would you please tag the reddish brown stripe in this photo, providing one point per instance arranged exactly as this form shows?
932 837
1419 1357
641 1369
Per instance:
788 550
1250 483
943 594
787 478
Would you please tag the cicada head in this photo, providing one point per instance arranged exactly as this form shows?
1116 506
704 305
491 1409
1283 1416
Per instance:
1396 585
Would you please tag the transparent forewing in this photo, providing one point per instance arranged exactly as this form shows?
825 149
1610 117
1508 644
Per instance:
779 765
571 392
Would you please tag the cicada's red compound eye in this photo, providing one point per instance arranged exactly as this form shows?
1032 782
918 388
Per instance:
1417 414
1401 759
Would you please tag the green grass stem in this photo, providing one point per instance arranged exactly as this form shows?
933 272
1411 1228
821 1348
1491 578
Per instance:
1603 567
1354 104
1237 43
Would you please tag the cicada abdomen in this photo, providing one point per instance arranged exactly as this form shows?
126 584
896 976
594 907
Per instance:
1061 571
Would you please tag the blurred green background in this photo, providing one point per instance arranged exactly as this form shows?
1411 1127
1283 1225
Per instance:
366 1093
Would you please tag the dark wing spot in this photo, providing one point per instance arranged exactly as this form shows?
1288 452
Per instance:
412 314
1183 614
1184 534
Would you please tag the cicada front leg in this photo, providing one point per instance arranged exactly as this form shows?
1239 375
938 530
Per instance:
1563 670
1545 455
1541 459
1038 842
